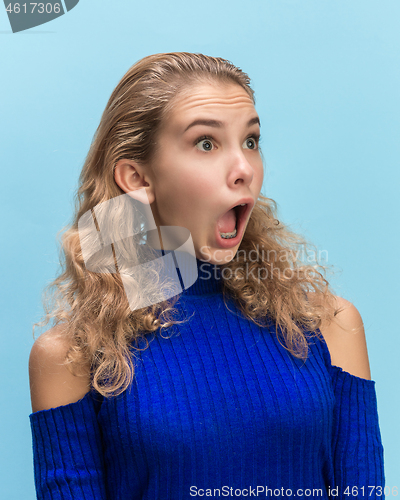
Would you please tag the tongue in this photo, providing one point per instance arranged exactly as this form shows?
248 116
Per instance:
227 223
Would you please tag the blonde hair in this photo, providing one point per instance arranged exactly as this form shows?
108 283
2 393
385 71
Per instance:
99 324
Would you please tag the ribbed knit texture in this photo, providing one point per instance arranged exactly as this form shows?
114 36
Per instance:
219 404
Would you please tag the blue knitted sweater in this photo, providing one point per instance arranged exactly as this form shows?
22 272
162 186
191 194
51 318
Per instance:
218 409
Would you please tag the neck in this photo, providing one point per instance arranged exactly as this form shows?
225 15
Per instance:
209 279
191 275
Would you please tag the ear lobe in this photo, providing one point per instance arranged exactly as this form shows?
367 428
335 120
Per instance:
144 195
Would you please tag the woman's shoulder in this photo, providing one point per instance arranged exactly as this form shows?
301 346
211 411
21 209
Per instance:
345 338
51 383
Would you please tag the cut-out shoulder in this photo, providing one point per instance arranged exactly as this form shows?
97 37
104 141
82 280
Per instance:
51 382
345 338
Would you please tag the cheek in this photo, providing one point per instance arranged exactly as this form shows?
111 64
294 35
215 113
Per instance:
260 174
197 188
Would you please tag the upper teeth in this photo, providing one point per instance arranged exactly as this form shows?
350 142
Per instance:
242 204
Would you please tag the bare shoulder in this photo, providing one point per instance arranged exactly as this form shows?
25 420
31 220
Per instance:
51 383
345 338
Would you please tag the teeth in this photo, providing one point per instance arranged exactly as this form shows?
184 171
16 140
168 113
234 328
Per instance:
242 204
229 235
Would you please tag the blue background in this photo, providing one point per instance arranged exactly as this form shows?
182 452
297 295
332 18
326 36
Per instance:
327 80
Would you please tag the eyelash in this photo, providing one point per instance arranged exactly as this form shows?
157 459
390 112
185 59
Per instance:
256 137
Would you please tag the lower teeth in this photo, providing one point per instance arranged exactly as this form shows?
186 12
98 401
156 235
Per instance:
229 235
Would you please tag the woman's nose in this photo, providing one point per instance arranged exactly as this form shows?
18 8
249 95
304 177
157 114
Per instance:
242 172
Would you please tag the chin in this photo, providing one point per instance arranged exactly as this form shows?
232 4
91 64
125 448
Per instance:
216 256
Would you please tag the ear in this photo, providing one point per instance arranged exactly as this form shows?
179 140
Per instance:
130 177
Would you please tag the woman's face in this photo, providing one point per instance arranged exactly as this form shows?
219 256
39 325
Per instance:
208 162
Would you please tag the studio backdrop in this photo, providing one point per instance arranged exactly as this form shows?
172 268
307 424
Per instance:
326 77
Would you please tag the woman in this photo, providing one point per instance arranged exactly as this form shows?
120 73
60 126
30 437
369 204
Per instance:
251 380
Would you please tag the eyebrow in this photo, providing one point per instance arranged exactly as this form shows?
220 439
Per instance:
218 124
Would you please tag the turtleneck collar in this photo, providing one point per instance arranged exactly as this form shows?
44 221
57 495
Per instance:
208 281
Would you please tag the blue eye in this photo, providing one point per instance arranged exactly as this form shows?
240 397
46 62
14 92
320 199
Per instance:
204 144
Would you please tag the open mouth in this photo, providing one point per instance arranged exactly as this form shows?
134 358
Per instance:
230 226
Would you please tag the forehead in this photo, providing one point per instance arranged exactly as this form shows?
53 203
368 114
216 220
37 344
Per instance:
210 98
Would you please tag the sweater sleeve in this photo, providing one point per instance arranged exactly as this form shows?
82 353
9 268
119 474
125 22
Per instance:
356 441
67 452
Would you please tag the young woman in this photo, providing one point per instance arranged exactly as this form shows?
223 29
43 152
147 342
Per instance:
251 380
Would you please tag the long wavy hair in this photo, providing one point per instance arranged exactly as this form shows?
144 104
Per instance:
92 307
